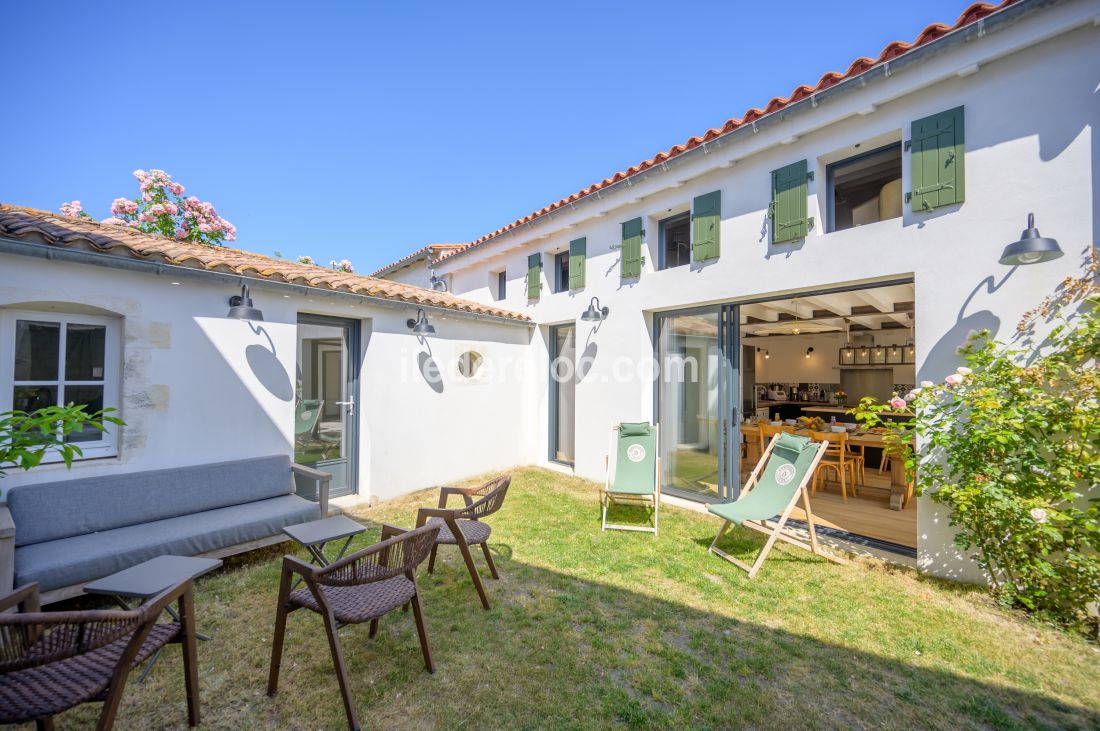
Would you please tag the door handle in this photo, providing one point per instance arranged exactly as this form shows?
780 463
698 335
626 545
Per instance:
349 404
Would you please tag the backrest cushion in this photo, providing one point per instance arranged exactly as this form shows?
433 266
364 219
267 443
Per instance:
787 467
53 510
636 457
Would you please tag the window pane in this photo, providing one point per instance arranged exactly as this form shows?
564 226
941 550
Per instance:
689 402
84 345
32 398
36 350
92 398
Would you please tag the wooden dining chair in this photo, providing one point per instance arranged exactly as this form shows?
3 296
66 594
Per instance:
859 460
838 458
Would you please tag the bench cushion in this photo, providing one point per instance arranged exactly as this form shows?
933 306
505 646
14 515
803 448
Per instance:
53 510
79 559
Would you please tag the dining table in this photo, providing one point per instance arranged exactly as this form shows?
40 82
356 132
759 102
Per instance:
899 494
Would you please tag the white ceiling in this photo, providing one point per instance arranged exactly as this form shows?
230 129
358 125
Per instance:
879 308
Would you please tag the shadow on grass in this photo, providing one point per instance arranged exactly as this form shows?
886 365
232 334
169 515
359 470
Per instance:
562 650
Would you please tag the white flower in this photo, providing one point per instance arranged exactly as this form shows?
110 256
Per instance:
1039 515
963 371
926 384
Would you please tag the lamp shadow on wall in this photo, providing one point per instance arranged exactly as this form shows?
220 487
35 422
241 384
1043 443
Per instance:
266 367
429 369
586 360
944 356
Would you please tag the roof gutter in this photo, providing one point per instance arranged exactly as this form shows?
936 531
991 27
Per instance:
1002 18
54 253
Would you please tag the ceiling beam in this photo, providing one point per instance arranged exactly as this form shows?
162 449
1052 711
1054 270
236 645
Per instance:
830 304
764 314
875 299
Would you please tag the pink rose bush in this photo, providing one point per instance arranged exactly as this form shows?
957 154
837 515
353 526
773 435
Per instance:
307 259
342 266
162 209
73 209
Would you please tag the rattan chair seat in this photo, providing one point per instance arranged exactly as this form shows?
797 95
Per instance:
474 531
49 689
358 603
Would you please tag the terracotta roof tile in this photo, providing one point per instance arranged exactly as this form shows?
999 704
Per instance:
891 51
17 222
441 249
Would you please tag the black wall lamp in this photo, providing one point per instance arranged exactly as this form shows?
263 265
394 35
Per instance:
595 313
765 352
240 306
809 351
1031 248
420 325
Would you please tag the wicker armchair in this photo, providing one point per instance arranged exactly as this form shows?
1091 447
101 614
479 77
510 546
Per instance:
53 661
358 588
463 527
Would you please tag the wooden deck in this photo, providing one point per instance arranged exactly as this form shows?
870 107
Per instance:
868 515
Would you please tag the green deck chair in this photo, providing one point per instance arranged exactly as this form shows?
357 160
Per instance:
634 477
787 465
306 417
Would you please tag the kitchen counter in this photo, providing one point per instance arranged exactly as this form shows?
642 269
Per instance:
846 409
768 402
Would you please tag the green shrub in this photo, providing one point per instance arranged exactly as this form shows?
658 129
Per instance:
1011 444
26 438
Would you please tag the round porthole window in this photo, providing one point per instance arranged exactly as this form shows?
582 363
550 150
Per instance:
469 363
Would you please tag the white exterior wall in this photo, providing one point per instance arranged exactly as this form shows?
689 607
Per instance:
416 274
198 387
1031 114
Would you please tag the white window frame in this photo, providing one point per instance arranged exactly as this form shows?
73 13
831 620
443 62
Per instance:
107 446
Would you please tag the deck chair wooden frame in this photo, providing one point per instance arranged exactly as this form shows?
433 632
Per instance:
609 497
777 532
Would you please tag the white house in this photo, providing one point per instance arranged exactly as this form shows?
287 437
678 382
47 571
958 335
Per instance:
149 316
845 238
869 209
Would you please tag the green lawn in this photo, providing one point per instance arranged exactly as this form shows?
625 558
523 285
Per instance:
596 630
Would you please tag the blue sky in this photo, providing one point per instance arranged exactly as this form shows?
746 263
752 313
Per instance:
366 130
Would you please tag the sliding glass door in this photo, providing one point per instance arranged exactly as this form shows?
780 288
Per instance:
698 398
563 368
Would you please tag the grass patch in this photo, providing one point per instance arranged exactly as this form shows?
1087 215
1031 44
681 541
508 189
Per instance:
597 630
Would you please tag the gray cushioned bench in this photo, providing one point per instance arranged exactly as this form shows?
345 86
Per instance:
64 534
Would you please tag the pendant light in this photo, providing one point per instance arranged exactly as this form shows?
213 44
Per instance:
1032 248
240 306
420 326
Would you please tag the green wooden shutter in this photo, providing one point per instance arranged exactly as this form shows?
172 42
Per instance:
534 276
936 160
706 218
576 262
631 254
788 208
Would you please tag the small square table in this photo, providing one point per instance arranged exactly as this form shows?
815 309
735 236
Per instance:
315 534
149 578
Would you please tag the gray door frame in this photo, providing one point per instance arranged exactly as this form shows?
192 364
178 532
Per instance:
352 341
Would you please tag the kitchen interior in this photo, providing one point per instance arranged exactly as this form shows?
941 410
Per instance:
817 356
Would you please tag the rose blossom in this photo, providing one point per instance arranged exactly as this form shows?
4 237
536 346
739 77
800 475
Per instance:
72 209
897 403
112 221
963 371
1039 515
953 380
926 384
